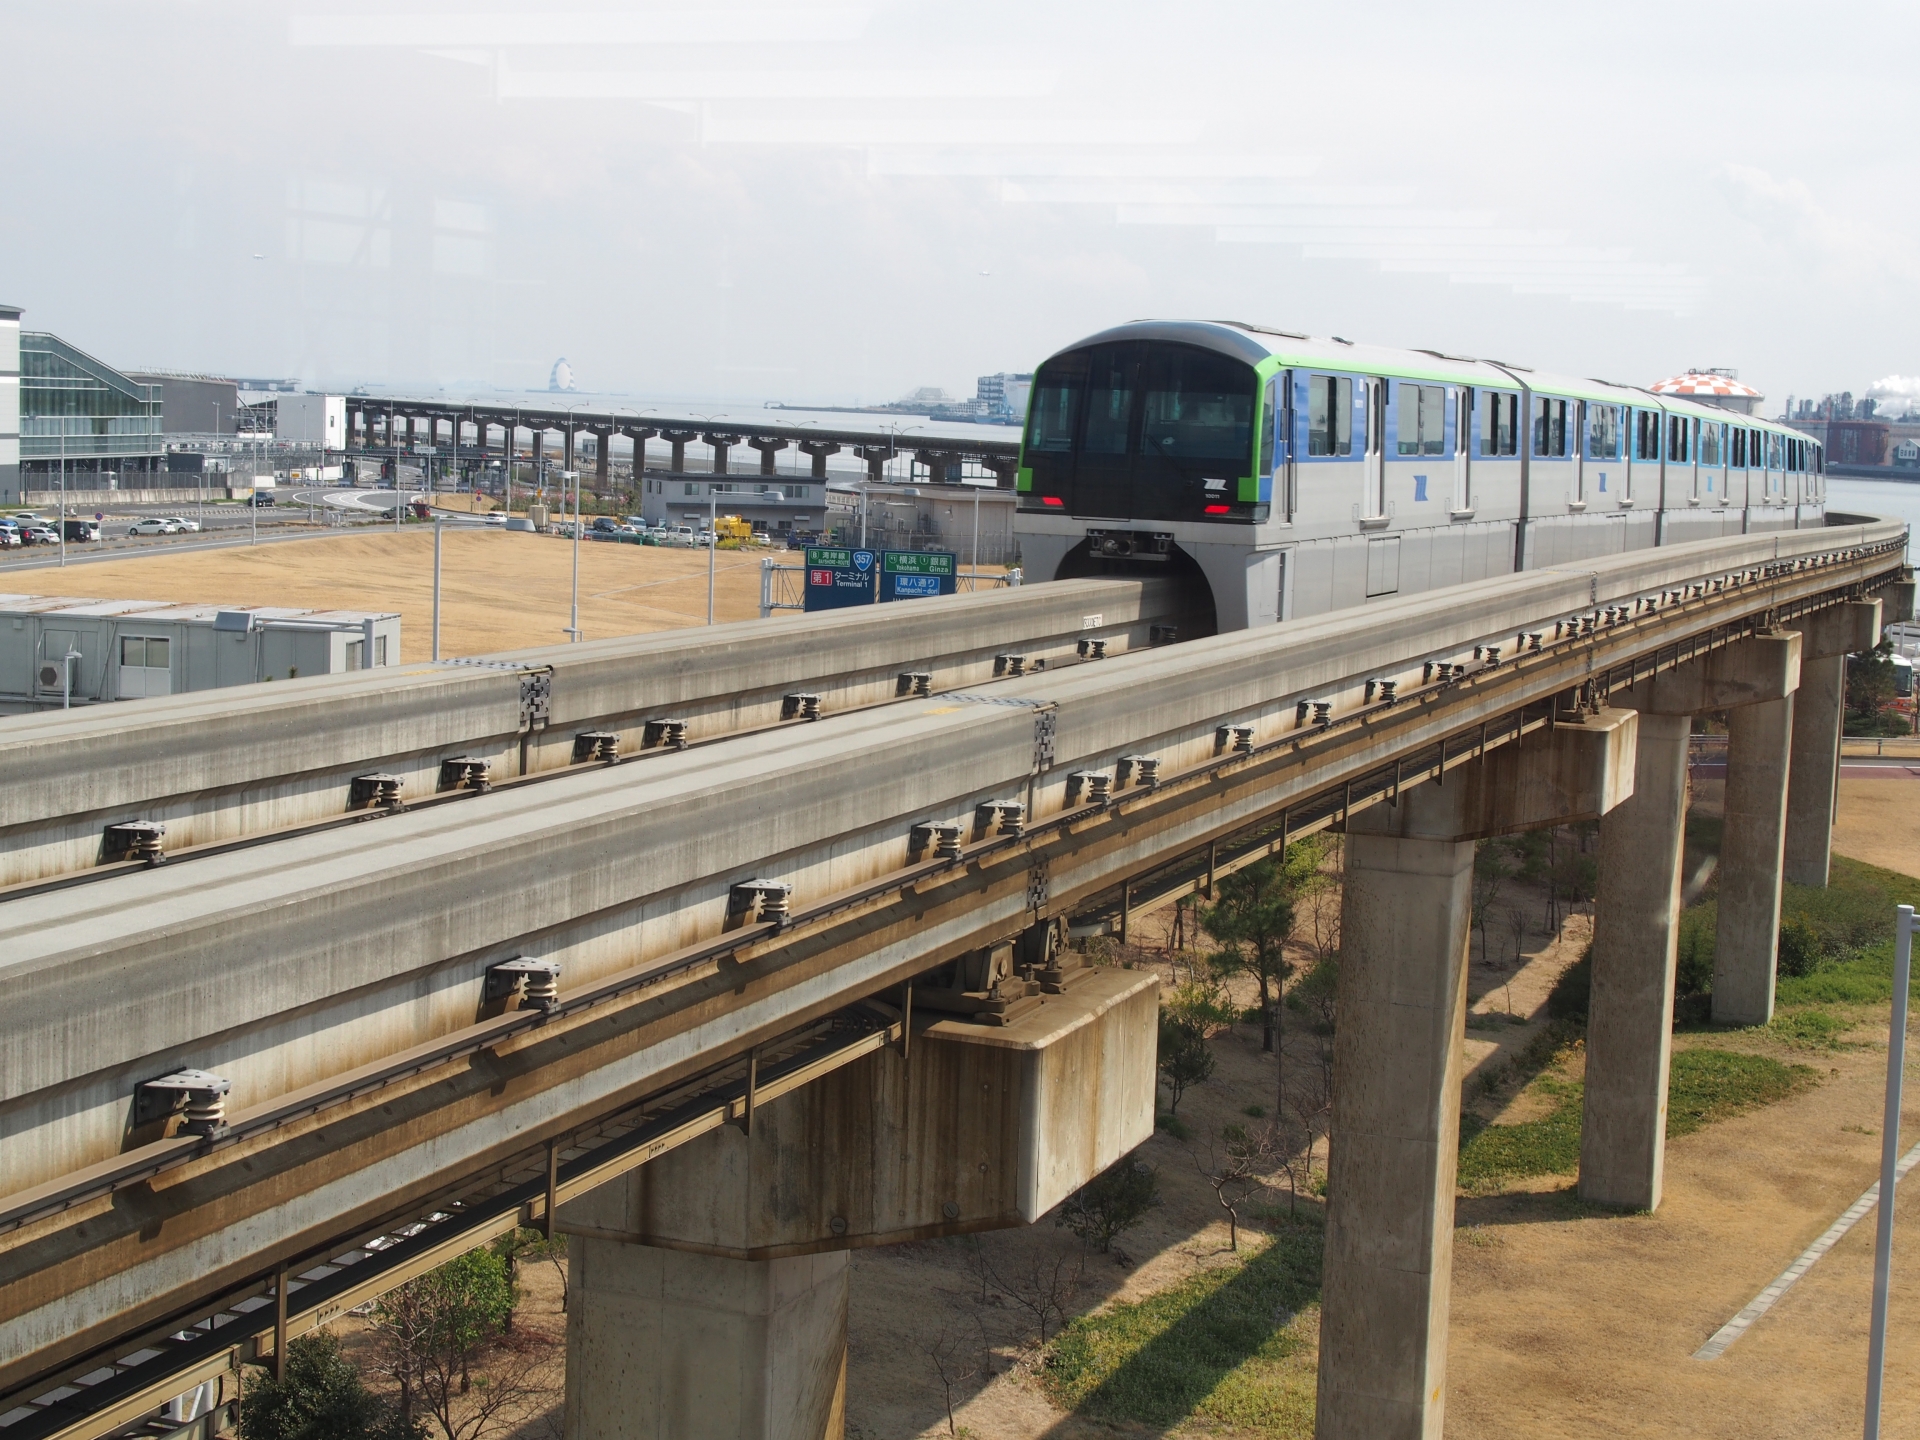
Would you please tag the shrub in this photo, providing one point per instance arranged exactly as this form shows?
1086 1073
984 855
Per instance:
1112 1202
322 1398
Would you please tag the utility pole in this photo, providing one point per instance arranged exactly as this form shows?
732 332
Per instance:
436 587
713 546
63 490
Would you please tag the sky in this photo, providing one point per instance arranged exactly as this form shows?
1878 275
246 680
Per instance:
836 203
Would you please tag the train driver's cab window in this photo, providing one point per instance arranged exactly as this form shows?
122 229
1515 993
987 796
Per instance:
1421 420
1329 415
1603 432
1679 436
1499 423
1050 426
1197 406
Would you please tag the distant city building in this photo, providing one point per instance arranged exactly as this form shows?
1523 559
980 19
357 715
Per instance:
1004 396
193 404
81 416
1906 455
10 404
1713 386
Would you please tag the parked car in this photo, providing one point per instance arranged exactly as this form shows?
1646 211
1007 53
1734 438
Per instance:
180 522
82 530
9 535
260 499
38 535
152 525
605 524
496 518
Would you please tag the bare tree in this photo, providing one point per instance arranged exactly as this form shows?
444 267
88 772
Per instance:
952 1367
1237 1168
1044 1285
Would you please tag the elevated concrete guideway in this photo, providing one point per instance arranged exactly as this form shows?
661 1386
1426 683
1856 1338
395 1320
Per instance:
338 979
218 768
396 423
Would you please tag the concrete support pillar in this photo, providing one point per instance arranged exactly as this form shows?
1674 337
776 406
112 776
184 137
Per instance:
1005 472
566 442
1819 707
602 444
1623 1128
1752 848
876 457
539 445
1389 1255
1402 1002
672 1345
819 450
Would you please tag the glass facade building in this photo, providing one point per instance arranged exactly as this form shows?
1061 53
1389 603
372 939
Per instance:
74 407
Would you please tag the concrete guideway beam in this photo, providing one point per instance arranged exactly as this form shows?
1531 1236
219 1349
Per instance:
215 765
1636 934
403 1143
1402 997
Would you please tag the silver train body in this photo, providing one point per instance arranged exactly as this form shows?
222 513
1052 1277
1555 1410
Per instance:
1300 475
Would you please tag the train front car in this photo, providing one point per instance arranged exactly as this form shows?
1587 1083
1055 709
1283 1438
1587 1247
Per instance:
1153 445
1286 476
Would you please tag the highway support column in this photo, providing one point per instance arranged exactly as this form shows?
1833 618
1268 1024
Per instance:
1397 1064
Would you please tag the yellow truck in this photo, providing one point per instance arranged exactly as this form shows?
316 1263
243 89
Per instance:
732 527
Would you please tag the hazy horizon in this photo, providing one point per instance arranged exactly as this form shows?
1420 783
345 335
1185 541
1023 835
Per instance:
838 204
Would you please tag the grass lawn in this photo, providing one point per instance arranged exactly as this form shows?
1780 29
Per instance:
1234 1345
1703 1085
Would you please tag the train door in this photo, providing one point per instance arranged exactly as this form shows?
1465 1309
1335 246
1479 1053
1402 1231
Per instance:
1374 505
1577 429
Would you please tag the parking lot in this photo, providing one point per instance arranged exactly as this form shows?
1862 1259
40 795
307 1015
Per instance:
210 527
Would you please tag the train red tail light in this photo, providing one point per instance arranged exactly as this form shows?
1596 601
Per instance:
1053 500
1219 509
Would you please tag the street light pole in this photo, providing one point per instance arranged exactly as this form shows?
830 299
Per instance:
573 630
974 561
63 490
713 546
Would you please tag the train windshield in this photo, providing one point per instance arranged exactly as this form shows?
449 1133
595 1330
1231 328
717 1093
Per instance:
1145 430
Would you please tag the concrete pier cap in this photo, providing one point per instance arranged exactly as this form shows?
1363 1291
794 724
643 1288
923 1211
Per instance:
712 1282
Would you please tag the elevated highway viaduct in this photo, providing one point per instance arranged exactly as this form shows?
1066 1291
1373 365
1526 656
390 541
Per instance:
541 1003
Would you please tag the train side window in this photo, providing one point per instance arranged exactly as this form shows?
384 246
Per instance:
1422 420
1678 428
1603 432
1499 423
1646 435
1329 415
1710 447
1549 427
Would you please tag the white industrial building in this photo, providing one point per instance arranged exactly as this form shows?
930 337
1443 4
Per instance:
311 420
57 650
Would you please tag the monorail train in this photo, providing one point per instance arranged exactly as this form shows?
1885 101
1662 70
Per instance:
1300 475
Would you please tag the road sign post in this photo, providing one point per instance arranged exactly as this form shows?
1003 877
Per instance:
838 577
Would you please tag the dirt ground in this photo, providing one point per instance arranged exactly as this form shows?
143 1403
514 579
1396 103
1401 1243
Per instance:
500 590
